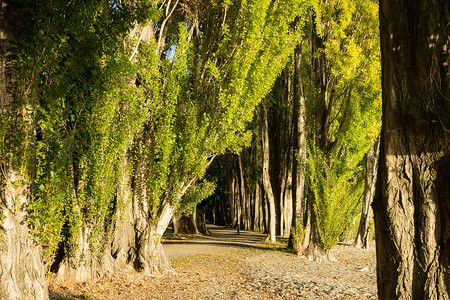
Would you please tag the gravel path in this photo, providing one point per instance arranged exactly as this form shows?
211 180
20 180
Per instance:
230 266
353 276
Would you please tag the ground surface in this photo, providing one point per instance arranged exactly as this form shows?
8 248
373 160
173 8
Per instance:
230 266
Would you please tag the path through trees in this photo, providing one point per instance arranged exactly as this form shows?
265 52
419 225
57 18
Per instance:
226 265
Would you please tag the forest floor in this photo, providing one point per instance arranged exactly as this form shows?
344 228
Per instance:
226 265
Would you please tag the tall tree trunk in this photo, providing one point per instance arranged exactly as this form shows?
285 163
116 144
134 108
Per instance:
275 166
21 267
287 199
238 204
266 175
281 212
412 202
224 214
231 197
266 212
256 207
363 236
299 162
244 200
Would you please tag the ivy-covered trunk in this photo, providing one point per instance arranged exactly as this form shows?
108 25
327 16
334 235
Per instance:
21 268
412 202
136 239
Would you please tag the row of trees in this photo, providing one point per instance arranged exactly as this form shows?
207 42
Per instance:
306 166
411 202
113 112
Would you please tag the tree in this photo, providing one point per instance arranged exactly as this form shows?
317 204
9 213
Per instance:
322 116
363 235
343 108
299 161
271 237
411 206
124 130
21 268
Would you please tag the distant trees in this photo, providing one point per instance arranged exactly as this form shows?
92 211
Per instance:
412 199
323 115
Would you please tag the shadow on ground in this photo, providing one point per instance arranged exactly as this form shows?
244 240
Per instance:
220 239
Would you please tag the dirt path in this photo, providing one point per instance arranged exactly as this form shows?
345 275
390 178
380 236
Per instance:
221 239
230 266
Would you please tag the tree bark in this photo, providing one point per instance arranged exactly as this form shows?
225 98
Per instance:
194 223
266 176
363 236
21 268
135 242
287 202
412 198
299 162
185 224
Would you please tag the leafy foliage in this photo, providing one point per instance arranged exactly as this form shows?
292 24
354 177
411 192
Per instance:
99 94
345 110
85 111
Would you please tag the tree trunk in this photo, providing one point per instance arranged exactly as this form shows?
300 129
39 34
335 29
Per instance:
412 198
244 201
299 162
288 209
256 208
224 214
274 153
21 267
195 223
266 176
238 204
266 212
310 246
144 241
231 197
363 236
135 242
184 225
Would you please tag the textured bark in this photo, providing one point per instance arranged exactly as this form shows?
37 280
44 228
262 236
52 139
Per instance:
258 216
363 236
266 176
21 267
412 202
184 224
299 162
310 246
142 245
274 152
135 242
195 223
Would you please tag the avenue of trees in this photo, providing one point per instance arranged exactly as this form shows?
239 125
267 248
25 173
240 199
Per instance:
307 162
119 117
